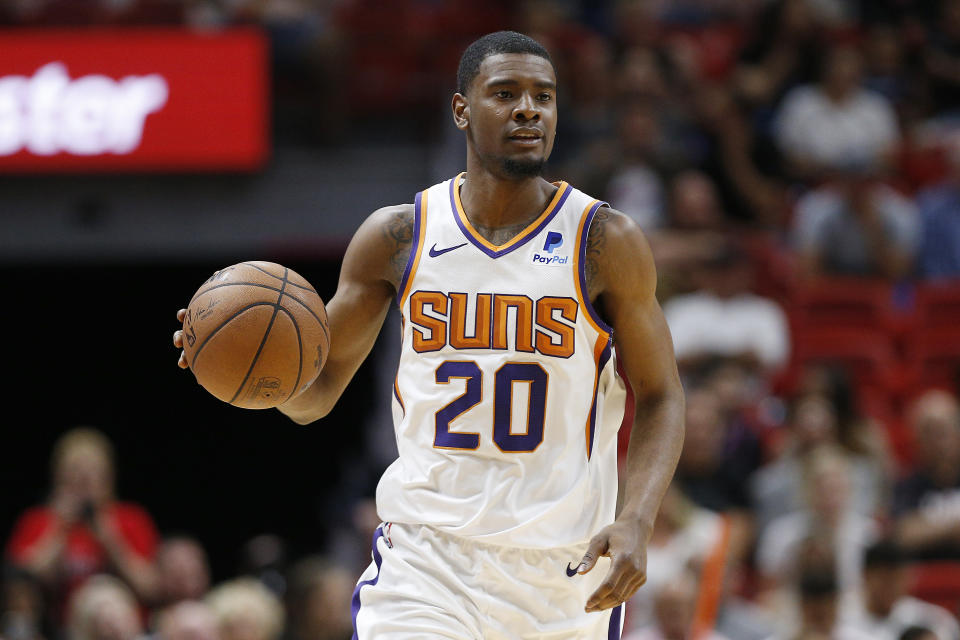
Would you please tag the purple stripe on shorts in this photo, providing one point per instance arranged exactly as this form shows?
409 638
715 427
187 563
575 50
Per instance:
355 604
614 632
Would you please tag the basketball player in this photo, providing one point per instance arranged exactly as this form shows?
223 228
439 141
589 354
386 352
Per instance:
518 298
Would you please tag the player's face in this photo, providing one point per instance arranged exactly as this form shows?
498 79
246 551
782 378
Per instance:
510 114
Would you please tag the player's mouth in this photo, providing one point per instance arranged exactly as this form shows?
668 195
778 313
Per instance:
526 137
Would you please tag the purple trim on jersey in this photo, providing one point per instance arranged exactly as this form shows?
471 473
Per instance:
604 358
414 245
355 603
614 632
515 244
583 274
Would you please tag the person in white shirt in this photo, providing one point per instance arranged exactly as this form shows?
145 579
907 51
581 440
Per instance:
836 123
886 611
724 319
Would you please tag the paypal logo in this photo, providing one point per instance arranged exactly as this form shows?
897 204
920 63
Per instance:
550 260
554 241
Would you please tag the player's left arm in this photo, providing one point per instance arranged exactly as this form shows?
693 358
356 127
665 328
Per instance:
622 280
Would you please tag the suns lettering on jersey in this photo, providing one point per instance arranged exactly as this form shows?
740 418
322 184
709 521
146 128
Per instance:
458 322
430 333
523 306
551 319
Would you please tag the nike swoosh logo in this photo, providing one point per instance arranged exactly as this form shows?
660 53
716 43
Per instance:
571 571
434 252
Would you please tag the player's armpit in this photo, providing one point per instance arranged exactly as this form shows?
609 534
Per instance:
371 271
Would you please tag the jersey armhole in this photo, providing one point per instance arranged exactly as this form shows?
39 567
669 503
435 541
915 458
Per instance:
579 267
416 247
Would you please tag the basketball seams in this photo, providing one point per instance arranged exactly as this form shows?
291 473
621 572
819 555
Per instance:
224 323
240 314
263 341
321 322
293 284
296 327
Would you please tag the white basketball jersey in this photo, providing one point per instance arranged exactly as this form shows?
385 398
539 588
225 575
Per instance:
507 402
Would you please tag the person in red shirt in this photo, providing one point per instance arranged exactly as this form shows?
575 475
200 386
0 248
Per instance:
82 530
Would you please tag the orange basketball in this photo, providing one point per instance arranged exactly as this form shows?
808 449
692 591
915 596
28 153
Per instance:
255 334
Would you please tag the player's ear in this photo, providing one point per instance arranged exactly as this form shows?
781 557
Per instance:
461 111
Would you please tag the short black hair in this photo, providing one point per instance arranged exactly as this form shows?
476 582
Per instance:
885 553
817 583
915 633
491 45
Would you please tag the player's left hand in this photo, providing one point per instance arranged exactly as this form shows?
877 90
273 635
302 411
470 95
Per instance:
625 543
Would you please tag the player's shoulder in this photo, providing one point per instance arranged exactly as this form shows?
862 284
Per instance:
381 245
613 230
617 252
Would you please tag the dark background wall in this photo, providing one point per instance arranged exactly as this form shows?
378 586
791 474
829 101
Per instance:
89 343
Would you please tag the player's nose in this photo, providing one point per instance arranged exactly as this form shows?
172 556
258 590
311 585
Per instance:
526 109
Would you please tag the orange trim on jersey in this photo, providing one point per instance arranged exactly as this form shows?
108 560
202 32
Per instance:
598 348
520 237
421 216
581 294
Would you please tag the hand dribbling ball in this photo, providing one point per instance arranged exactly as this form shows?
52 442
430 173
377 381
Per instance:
255 334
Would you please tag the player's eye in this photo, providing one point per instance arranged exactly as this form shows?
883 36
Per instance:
544 97
503 93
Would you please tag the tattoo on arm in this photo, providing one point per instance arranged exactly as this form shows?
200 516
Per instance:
596 241
398 234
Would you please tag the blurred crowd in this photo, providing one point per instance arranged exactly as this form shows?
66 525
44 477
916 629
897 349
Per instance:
795 165
87 566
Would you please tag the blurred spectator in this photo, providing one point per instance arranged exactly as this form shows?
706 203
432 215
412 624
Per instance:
246 610
22 607
745 163
819 604
684 536
690 235
781 52
836 124
862 436
927 502
777 489
636 186
939 206
83 530
318 601
826 520
918 633
265 558
184 573
942 58
103 609
885 70
886 611
724 319
674 610
855 226
187 621
703 472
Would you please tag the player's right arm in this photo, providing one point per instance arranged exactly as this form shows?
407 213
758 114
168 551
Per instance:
369 278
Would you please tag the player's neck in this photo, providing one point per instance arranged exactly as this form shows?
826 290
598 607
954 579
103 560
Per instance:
493 202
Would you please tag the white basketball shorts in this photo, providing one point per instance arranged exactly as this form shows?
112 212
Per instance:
426 584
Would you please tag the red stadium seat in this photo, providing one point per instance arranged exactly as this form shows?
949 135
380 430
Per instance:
938 582
867 355
853 303
933 358
938 305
